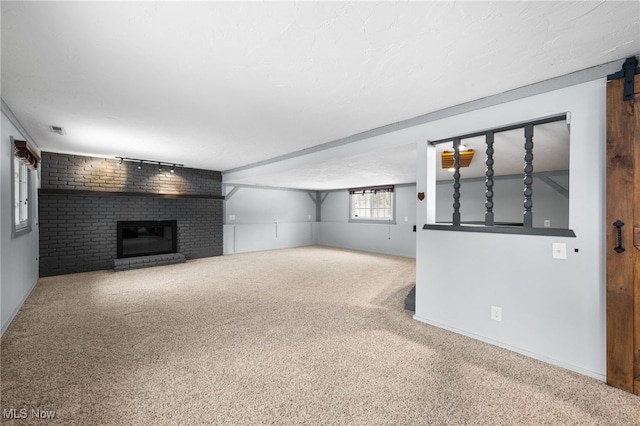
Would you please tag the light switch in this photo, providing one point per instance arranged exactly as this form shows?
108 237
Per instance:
559 250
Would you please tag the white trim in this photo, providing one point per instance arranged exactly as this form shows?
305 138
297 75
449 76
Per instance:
516 349
6 325
278 188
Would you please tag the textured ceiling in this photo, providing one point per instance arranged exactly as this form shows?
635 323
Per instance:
221 85
397 165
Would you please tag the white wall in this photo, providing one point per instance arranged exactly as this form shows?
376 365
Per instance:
396 239
18 256
256 211
265 218
553 310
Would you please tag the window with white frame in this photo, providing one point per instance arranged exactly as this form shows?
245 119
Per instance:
21 210
371 204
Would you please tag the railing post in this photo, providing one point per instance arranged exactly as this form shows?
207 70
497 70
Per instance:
488 214
456 182
528 176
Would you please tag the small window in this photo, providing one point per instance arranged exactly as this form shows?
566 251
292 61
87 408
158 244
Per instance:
21 192
372 204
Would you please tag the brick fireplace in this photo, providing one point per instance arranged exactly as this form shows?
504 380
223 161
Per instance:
82 199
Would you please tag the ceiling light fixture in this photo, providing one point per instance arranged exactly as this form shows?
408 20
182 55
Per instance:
140 165
160 167
465 158
173 168
119 161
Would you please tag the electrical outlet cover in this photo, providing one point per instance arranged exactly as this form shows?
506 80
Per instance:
559 250
496 313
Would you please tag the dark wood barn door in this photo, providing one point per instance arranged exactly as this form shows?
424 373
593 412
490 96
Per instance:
623 234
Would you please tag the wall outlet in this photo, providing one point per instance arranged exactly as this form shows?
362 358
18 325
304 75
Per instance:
309 217
406 218
496 313
232 217
547 223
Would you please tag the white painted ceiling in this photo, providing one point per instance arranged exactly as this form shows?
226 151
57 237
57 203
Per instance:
220 85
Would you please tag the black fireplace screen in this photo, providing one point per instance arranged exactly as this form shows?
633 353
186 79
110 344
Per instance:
144 238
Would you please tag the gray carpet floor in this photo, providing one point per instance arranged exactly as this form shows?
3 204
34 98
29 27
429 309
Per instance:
310 335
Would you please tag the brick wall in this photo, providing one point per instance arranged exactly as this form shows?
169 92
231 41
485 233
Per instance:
78 232
62 171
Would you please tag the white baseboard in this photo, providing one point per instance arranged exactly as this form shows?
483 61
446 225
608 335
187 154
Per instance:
571 367
5 326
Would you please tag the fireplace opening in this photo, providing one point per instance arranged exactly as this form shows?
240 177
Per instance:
144 238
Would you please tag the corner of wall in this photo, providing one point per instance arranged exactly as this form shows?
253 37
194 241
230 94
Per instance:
18 256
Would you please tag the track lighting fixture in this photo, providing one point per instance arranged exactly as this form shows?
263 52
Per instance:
140 162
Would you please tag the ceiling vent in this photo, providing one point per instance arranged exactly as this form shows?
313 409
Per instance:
58 129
